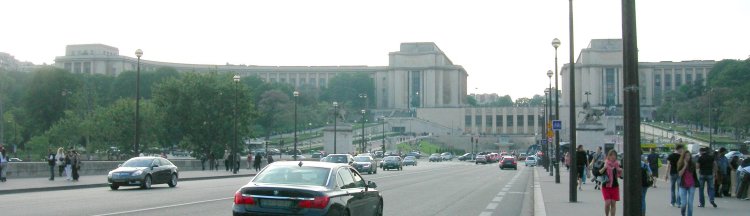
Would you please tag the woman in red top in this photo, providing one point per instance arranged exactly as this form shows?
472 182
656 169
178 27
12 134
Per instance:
611 189
688 182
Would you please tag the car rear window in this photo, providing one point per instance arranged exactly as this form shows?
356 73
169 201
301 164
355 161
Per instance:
138 162
362 159
294 175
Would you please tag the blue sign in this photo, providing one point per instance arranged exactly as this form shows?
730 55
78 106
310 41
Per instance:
556 125
543 142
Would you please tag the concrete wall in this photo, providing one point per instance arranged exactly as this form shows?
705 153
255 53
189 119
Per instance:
41 169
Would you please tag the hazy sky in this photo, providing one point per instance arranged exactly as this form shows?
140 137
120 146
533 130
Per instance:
504 45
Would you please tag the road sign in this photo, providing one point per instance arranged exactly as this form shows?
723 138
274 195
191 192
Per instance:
550 139
543 142
550 133
556 125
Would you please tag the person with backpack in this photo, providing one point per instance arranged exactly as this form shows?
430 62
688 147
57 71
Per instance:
597 162
647 181
653 163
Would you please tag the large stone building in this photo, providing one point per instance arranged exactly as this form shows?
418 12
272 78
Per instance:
10 63
419 74
599 77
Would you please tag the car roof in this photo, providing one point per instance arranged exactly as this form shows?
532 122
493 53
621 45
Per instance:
339 155
309 164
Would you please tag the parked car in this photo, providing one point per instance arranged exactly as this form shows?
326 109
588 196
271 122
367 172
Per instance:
365 163
530 161
378 154
728 155
492 157
465 157
339 158
508 162
393 162
435 157
316 155
298 157
308 188
447 156
416 155
410 161
522 156
143 172
15 160
480 159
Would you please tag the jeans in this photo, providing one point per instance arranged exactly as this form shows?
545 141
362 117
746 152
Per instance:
706 181
68 172
686 198
52 172
643 200
674 188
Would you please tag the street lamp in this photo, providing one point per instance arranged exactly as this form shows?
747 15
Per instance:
236 79
309 131
549 116
556 44
364 111
383 144
138 53
587 93
296 99
335 118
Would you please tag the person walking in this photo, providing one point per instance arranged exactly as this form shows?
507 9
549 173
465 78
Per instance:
249 160
723 179
673 175
611 188
60 161
270 159
567 160
581 159
734 165
258 160
653 163
3 164
51 161
226 160
69 166
597 162
688 180
647 181
743 173
75 164
707 170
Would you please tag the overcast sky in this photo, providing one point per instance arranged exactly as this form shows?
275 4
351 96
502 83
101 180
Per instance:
504 45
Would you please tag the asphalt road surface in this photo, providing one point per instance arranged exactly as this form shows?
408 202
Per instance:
445 188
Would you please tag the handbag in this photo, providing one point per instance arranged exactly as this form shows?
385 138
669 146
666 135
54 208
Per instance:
603 179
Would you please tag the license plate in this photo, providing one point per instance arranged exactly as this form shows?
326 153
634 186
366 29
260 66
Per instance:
272 203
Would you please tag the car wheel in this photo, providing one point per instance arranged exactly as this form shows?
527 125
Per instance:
369 172
379 209
146 184
173 181
114 186
346 212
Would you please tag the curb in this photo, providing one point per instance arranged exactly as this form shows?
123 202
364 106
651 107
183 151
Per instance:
539 209
71 187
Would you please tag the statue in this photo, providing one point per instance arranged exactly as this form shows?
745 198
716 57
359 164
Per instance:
590 115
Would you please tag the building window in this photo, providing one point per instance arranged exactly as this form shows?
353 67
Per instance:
520 120
509 121
478 121
87 67
282 80
489 121
699 76
668 81
499 121
467 119
531 120
273 80
688 78
677 80
322 82
611 86
313 81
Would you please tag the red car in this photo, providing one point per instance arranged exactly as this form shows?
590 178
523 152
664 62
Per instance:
508 162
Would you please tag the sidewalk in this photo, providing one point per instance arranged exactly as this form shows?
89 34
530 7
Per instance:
555 198
23 185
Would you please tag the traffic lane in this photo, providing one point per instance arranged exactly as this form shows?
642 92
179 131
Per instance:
466 190
510 199
96 201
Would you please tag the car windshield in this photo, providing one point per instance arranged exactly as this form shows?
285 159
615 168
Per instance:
140 162
294 175
436 154
409 158
336 159
362 159
390 159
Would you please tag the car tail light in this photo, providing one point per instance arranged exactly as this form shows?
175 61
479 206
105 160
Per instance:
319 203
239 198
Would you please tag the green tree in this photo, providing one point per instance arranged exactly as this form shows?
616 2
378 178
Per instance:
346 87
46 97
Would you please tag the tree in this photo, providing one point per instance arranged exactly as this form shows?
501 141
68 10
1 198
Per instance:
124 84
47 97
274 109
346 87
471 101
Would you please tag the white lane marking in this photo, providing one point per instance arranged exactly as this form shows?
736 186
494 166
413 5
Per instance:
501 193
485 214
539 208
492 206
497 199
506 189
166 206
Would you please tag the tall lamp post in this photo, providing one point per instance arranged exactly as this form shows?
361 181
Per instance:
296 99
556 44
335 118
138 53
364 111
236 79
632 149
309 131
549 117
383 144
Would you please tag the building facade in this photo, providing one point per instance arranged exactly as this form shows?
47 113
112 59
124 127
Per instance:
599 80
418 75
521 121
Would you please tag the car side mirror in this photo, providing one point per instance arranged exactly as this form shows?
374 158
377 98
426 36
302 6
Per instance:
119 165
154 166
371 184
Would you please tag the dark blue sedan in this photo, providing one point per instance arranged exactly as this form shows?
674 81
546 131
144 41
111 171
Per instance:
308 188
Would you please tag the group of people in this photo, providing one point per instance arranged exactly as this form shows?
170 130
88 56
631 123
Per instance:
68 163
252 160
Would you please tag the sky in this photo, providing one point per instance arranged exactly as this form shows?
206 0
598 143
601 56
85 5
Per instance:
503 45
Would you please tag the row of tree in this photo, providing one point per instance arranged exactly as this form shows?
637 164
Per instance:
52 108
507 101
724 101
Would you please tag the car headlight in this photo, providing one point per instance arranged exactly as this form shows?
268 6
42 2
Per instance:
137 173
109 175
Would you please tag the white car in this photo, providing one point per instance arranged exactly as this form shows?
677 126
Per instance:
531 161
734 153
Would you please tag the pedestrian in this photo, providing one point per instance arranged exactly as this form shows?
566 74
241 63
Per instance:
653 163
51 161
734 166
707 170
3 164
211 161
647 181
610 187
60 161
673 175
597 162
249 159
203 162
75 164
237 161
567 160
69 166
743 173
270 159
226 160
688 180
256 164
581 166
723 179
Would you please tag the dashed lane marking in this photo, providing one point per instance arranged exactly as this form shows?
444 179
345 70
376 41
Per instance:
492 206
501 193
497 199
485 213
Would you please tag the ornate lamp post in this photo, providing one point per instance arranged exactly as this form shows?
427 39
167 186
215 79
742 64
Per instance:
296 99
556 44
335 118
236 79
136 144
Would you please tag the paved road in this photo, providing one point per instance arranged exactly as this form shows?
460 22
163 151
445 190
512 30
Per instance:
447 188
